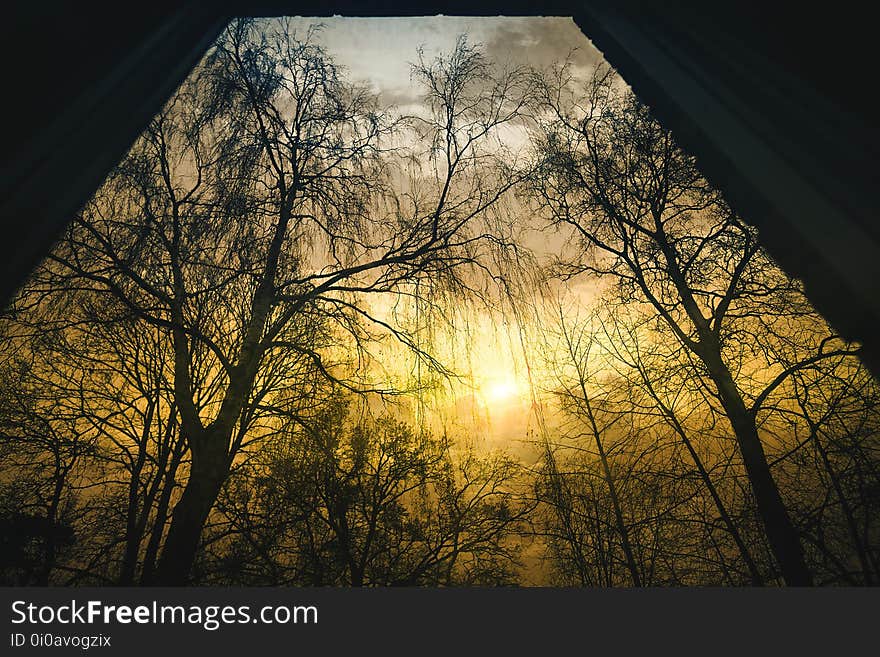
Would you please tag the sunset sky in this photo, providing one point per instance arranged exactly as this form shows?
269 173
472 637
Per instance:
424 302
494 397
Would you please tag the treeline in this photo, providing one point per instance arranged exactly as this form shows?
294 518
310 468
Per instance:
193 386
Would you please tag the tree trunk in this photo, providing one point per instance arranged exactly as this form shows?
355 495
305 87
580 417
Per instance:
158 528
210 467
754 573
133 526
618 513
844 506
50 541
752 567
612 489
781 533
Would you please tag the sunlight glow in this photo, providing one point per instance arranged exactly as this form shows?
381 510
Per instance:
502 390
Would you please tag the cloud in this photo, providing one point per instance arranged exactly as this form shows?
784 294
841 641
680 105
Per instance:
381 49
400 97
540 42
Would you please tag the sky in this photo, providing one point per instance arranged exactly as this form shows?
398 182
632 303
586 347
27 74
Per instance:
379 51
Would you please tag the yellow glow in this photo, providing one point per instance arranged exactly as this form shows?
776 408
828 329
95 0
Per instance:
502 390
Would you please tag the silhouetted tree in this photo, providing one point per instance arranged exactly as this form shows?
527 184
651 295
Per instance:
363 502
645 217
254 212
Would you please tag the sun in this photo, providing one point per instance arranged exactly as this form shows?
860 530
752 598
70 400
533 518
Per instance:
502 390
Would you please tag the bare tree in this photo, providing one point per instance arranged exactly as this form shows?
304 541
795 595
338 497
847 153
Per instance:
248 220
646 218
43 443
357 501
577 396
657 389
